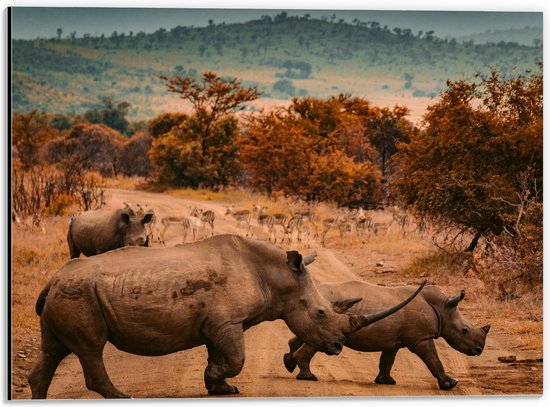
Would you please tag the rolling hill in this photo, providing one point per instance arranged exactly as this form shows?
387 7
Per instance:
284 56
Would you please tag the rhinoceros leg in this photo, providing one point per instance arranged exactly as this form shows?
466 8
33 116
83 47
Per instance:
225 358
386 363
288 358
86 337
96 376
428 353
51 354
304 356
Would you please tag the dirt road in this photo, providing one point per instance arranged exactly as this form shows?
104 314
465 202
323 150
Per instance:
352 373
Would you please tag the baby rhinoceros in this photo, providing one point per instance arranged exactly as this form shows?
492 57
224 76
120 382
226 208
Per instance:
430 316
95 232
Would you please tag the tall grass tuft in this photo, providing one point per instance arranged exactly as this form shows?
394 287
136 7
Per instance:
36 255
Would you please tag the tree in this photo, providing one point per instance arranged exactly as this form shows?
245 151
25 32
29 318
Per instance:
88 147
201 150
386 129
59 32
212 97
110 113
134 159
316 149
30 131
163 123
479 141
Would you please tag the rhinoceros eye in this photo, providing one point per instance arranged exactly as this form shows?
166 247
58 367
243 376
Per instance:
465 331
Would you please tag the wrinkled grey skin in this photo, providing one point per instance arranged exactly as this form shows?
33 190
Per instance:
96 232
415 327
155 301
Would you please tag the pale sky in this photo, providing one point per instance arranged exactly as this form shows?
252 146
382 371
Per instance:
33 22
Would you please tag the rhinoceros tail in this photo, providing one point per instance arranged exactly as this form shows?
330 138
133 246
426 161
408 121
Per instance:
41 301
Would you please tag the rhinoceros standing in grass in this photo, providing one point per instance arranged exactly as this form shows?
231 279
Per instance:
430 316
155 301
95 232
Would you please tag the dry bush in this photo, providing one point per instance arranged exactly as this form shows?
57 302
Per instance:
482 278
39 189
52 190
92 147
91 192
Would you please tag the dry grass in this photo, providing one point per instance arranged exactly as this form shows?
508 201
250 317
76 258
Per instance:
36 256
122 182
229 195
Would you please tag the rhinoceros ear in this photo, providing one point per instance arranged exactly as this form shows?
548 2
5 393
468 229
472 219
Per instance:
452 302
294 261
344 305
310 258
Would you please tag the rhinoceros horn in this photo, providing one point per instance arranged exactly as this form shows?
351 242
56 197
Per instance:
452 302
360 321
486 329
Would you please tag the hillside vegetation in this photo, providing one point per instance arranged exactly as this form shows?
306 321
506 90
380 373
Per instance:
283 56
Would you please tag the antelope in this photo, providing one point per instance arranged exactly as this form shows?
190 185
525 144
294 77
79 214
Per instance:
401 218
364 224
186 222
241 215
282 220
207 216
342 225
262 216
274 220
271 221
191 223
308 216
307 234
379 226
421 227
296 222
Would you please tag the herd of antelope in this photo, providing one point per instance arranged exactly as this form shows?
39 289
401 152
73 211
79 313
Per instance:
297 225
303 223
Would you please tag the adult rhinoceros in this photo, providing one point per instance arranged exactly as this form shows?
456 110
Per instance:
430 316
155 301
